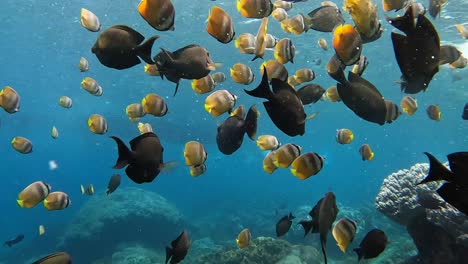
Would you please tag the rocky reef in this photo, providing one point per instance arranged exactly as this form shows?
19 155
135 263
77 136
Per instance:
131 215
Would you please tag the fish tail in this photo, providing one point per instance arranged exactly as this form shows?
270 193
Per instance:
437 171
176 88
291 216
323 243
251 122
144 50
263 90
256 57
125 155
168 253
168 167
307 225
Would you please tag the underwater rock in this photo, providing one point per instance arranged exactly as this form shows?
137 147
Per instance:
130 215
398 200
264 250
134 254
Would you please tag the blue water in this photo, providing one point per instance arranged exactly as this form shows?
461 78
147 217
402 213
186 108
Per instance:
42 42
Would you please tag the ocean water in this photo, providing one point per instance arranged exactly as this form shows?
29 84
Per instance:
42 42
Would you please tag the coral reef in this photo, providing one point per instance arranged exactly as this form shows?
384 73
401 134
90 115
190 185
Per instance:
398 200
264 250
131 215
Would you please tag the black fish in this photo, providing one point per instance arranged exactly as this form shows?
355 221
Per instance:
284 106
114 183
231 133
284 224
325 18
190 62
435 6
323 215
372 245
119 47
14 241
455 190
179 250
144 161
310 93
55 258
465 112
417 53
363 98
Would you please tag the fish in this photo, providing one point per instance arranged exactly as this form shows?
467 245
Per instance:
366 152
332 94
220 25
155 105
89 190
417 53
409 105
372 245
218 77
286 5
241 73
243 239
89 20
54 133
194 153
189 62
344 232
220 102
14 241
322 43
255 8
9 100
204 85
393 112
196 171
465 112
360 66
114 183
91 85
268 142
151 70
275 70
307 165
97 124
260 38
279 14
295 25
455 189
324 18
463 30
283 106
285 155
230 134
389 5
41 230
120 47
347 44
56 201
363 98
323 215
144 161
245 42
271 41
310 93
292 81
344 136
433 112
83 65
304 75
284 224
65 102
285 51
435 7
268 163
159 14
33 194
335 69
366 19
55 258
179 248
135 111
22 145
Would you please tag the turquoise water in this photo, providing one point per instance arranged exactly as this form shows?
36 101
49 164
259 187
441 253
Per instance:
42 42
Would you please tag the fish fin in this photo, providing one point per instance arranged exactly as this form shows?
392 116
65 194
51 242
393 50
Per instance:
20 203
323 243
168 254
144 50
168 167
437 171
311 116
263 89
177 87
48 257
404 23
125 155
291 216
359 253
251 122
307 225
